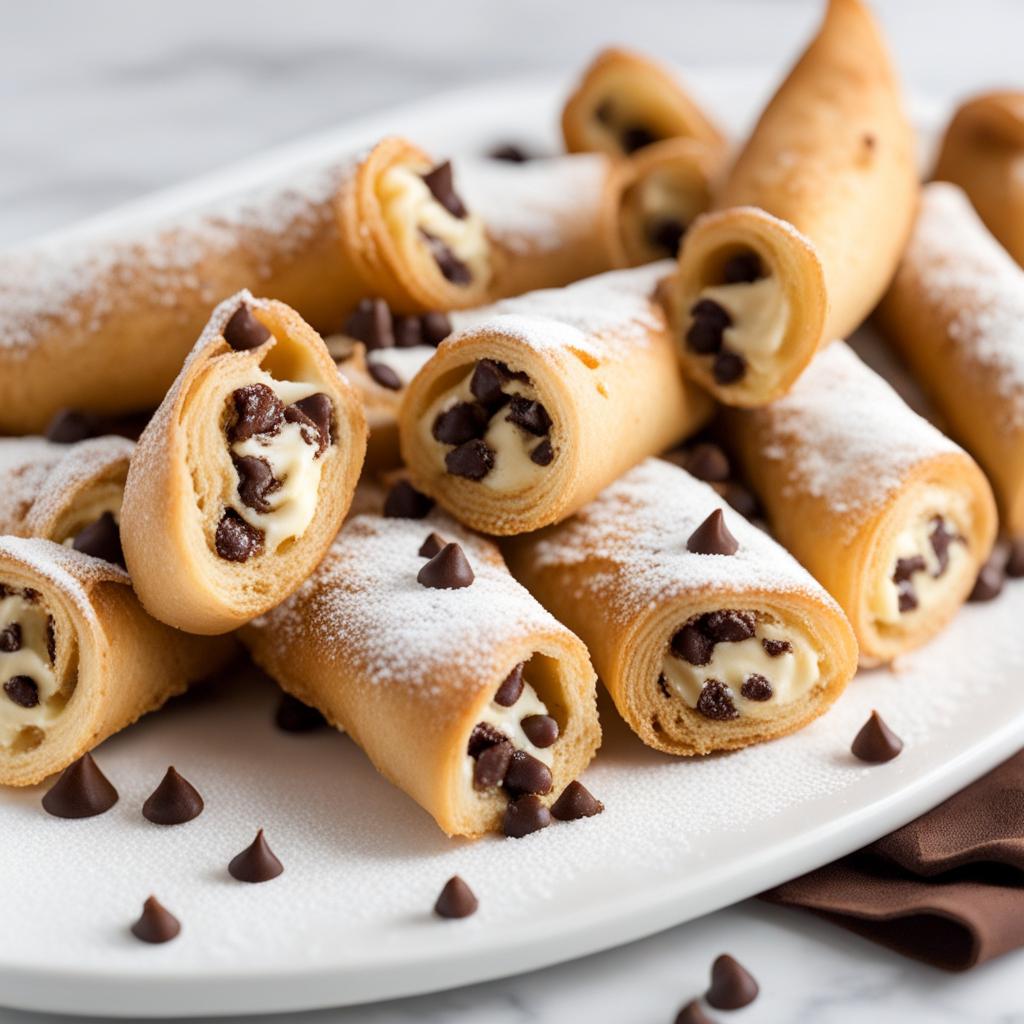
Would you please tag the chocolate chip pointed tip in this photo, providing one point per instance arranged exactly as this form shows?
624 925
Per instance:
876 743
712 537
82 791
293 715
575 802
692 1013
732 985
243 331
157 924
174 801
449 569
431 546
256 863
456 900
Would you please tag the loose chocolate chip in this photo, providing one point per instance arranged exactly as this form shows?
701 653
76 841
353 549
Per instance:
541 730
707 462
775 648
526 774
709 322
1015 562
729 367
665 234
405 502
525 815
691 1013
256 863
510 152
71 425
732 985
243 331
543 453
743 268
442 188
756 687
101 539
157 924
740 499
487 381
23 691
472 460
82 791
408 331
635 137
463 422
712 537
906 567
173 802
728 626
431 546
456 899
941 538
294 716
576 801
371 323
492 765
236 540
255 481
451 267
483 736
906 597
690 644
316 410
449 569
876 742
436 327
529 416
257 411
384 375
512 688
991 577
10 638
715 702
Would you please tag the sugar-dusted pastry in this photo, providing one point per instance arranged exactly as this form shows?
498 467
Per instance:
520 419
983 152
809 224
888 514
79 658
626 102
243 476
708 635
413 637
955 314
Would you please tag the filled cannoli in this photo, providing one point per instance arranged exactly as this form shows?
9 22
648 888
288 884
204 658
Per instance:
888 514
809 224
520 419
955 314
982 152
487 702
707 634
79 658
626 102
245 472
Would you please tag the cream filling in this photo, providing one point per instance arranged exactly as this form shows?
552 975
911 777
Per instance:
760 316
31 660
664 195
107 497
791 675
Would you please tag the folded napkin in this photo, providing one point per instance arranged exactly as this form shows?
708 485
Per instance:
947 889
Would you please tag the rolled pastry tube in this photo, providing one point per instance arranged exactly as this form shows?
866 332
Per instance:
700 652
982 152
413 672
243 476
626 102
890 516
809 224
79 658
955 314
522 418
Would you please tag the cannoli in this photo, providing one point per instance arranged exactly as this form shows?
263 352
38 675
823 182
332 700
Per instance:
706 633
487 700
520 420
79 658
626 102
243 476
982 152
955 314
890 516
809 225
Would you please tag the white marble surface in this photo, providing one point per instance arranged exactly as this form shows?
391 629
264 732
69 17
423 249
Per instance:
108 100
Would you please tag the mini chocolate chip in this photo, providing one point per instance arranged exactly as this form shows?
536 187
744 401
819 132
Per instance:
71 425
940 539
991 577
665 234
243 331
492 765
371 323
463 422
512 688
293 715
101 539
257 411
23 691
728 626
525 815
256 863
456 900
740 499
743 268
236 540
30 595
709 321
543 453
715 702
442 188
384 375
707 462
472 460
451 267
690 644
1015 562
408 331
157 924
732 985
663 686
483 736
449 569
431 546
541 730
487 381
436 327
729 367
82 791
576 801
756 687
906 597
906 567
876 742
255 481
635 137
509 152
691 1013
529 416
51 639
405 502
317 411
10 638
775 648
712 537
173 802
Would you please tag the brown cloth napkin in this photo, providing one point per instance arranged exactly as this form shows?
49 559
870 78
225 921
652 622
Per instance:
947 889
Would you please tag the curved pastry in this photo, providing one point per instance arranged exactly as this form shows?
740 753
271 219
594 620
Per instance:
955 313
442 711
982 152
832 162
79 658
892 518
626 102
521 419
702 646
245 472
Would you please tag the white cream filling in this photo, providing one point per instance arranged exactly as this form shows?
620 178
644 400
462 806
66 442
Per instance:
760 316
33 661
791 675
664 195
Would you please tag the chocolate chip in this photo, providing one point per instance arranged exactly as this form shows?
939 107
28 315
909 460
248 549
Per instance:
157 924
317 412
543 453
728 626
51 639
405 502
101 539
529 416
991 577
436 327
71 425
243 331
294 716
442 188
463 422
173 802
743 268
941 538
384 375
906 567
483 736
492 765
472 460
712 537
636 136
576 801
408 331
707 462
732 985
10 638
257 411
740 499
255 481
729 367
82 791
371 323
876 742
1015 562
512 688
510 152
709 321
663 686
487 381
431 546
541 730
665 234
691 1013
715 702
775 648
456 899
23 691
256 863
236 540
906 597
756 687
449 569
525 815
451 267
690 644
